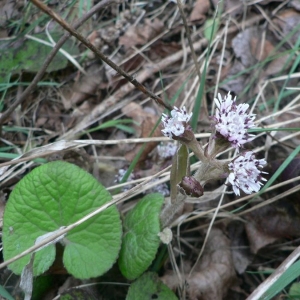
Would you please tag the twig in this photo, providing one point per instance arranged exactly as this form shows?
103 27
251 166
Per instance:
143 75
89 45
40 74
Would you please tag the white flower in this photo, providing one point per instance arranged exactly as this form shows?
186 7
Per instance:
167 150
245 173
175 125
232 121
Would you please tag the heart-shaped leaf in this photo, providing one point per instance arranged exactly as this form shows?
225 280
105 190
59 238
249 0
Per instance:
140 240
54 195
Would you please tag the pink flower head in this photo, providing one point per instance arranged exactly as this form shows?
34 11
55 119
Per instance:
176 124
245 173
232 121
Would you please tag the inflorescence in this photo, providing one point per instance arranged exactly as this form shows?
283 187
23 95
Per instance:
175 125
231 123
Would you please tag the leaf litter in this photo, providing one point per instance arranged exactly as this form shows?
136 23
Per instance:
255 45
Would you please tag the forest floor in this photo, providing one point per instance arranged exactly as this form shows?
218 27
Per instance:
83 111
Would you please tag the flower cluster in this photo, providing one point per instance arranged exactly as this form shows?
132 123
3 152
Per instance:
245 173
176 124
232 121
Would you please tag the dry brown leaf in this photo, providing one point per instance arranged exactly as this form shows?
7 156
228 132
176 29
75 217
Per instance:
271 222
260 49
251 47
277 65
85 87
9 10
213 276
160 49
146 122
237 83
257 238
287 21
141 34
233 7
200 8
49 117
241 254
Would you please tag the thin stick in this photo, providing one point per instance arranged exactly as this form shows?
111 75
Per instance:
142 76
89 45
41 72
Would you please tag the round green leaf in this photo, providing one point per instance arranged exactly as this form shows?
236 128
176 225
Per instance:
149 286
140 240
54 195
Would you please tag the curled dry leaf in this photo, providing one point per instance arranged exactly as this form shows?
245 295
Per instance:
83 88
250 46
240 251
146 122
141 34
213 275
287 21
200 8
272 222
255 229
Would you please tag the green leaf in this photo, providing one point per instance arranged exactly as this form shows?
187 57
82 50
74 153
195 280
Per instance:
29 55
286 278
294 292
54 195
210 28
5 294
140 240
180 168
149 286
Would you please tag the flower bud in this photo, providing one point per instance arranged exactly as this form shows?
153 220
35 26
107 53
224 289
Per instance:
191 186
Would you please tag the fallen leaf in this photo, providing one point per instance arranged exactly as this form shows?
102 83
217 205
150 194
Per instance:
200 8
257 238
233 7
288 21
271 222
146 122
141 34
214 274
241 255
251 47
85 87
